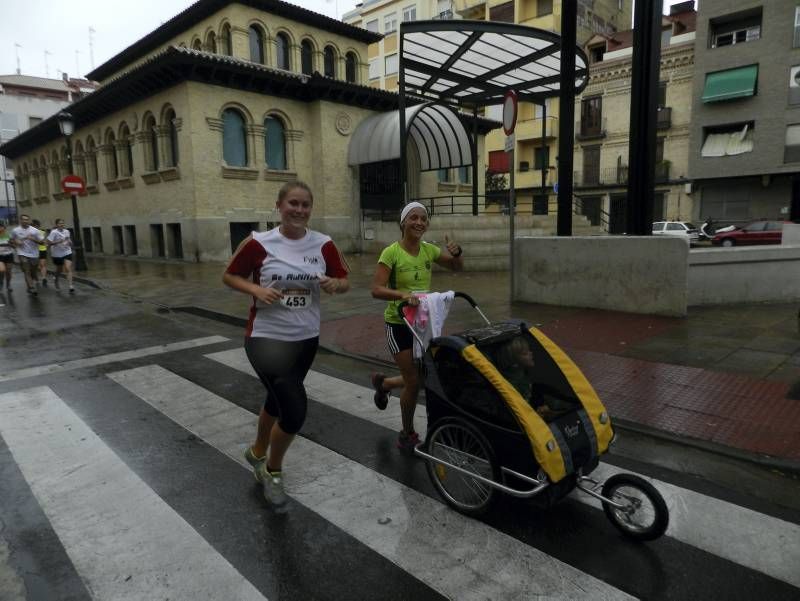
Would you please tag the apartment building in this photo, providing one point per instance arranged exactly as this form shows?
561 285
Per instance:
536 132
745 139
602 130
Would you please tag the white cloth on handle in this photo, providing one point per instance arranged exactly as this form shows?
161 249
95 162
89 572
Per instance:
430 317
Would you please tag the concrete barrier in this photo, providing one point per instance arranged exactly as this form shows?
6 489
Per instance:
791 234
636 274
744 274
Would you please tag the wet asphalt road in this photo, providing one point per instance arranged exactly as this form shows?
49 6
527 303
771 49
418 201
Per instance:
61 352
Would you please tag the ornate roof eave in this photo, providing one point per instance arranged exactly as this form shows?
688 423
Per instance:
175 65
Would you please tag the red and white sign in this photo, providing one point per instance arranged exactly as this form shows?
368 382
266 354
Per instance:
510 102
73 184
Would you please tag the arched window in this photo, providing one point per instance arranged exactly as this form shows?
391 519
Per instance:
91 161
275 143
256 37
225 40
282 51
127 154
211 42
330 61
234 139
350 66
197 44
79 160
307 57
151 131
113 165
55 171
172 139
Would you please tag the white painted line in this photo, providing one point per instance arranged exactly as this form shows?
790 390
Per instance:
459 557
41 370
124 540
761 542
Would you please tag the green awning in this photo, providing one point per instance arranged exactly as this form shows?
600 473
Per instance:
733 83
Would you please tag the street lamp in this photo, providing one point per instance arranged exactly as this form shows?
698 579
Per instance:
66 124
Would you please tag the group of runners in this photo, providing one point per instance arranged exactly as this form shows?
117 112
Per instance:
28 244
285 270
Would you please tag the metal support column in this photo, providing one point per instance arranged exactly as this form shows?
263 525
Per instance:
543 155
475 160
644 88
569 24
401 103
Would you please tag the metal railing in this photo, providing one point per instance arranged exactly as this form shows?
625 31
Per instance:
444 15
616 176
588 131
664 118
600 217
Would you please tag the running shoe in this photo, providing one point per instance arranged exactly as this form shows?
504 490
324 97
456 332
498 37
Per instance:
381 397
44 282
254 461
72 290
273 485
56 284
407 442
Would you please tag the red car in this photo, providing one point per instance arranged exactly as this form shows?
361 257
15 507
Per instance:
758 232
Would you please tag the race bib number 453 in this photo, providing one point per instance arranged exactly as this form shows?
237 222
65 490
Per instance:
296 299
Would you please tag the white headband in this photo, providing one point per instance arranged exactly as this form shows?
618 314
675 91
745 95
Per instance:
409 207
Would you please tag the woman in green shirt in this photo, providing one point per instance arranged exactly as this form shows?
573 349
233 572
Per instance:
404 268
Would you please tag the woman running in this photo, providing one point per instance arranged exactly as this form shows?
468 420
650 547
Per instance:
60 244
283 270
404 268
42 265
6 256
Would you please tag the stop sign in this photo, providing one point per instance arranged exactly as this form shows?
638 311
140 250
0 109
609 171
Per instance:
73 184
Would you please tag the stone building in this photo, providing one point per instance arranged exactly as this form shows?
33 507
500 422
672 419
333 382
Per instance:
197 125
602 132
25 101
745 143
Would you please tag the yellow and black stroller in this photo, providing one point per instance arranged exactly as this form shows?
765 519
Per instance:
509 412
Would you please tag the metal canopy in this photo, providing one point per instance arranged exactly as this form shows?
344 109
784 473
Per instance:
437 132
473 63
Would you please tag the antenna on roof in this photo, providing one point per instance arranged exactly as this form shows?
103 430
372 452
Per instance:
46 67
16 50
91 45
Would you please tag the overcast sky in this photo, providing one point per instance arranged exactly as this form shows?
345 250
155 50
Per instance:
61 28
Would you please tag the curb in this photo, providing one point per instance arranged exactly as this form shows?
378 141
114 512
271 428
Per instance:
785 466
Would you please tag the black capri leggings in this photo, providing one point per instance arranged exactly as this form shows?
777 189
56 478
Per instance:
282 366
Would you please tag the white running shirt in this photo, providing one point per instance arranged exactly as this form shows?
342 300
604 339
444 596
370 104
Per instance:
61 240
29 247
292 266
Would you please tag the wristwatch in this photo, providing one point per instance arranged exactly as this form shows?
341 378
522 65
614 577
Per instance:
458 253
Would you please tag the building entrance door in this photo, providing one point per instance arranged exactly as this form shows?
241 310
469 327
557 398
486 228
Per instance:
616 214
239 231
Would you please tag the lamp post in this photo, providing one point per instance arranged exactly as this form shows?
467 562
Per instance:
66 124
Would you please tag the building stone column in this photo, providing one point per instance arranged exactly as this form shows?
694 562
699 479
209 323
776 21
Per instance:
240 43
255 142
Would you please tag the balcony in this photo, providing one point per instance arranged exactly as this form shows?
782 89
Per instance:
664 117
531 129
444 15
616 176
470 9
590 131
532 178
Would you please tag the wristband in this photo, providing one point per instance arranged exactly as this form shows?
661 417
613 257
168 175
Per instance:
457 254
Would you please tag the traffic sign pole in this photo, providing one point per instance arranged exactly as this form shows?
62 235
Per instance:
510 105
73 185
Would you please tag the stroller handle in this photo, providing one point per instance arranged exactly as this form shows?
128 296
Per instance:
463 295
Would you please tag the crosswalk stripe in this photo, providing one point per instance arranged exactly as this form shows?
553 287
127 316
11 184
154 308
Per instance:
41 370
124 540
719 527
456 556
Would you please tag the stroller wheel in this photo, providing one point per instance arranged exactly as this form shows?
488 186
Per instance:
643 515
461 444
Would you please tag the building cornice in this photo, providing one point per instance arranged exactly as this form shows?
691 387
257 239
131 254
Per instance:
203 9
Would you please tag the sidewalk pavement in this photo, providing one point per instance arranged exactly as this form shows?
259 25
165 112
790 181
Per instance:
726 378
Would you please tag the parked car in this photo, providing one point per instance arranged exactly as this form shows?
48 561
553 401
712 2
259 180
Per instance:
676 228
757 232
